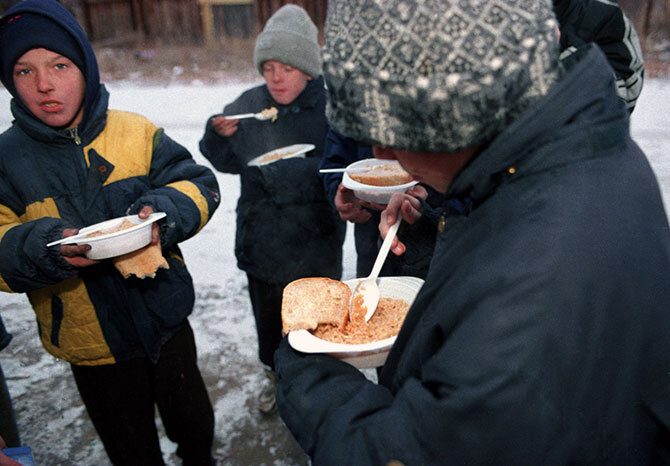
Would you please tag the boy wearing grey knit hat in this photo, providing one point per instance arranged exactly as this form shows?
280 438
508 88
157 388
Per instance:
290 37
286 229
524 345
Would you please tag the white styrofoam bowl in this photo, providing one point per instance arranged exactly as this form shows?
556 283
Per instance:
363 355
116 243
369 193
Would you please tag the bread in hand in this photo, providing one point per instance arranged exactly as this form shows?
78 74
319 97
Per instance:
141 263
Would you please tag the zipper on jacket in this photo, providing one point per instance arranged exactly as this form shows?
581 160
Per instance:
73 134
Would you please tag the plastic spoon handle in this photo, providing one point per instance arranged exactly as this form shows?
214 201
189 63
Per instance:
384 250
240 116
67 240
342 170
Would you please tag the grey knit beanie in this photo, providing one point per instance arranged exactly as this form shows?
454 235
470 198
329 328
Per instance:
436 75
290 36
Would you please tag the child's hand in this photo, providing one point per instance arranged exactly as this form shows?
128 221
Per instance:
224 126
75 254
155 229
405 205
349 207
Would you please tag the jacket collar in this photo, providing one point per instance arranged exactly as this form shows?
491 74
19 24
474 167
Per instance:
583 97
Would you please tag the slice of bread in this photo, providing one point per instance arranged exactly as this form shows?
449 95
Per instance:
308 302
391 174
142 263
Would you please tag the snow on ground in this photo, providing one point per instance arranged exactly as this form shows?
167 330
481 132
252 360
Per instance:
51 417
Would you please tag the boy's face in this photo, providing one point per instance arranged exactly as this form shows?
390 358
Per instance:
285 82
51 86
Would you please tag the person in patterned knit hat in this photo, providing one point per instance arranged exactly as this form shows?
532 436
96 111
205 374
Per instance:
540 333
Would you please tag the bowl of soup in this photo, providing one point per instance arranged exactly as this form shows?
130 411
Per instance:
364 344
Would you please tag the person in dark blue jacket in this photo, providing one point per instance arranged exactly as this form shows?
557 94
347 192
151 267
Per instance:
69 161
340 151
286 229
540 334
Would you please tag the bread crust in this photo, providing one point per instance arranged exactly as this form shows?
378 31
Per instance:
142 263
308 302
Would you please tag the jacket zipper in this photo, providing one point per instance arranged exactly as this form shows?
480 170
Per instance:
73 134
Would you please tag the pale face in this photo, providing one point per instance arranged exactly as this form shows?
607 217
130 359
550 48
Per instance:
436 169
51 86
285 82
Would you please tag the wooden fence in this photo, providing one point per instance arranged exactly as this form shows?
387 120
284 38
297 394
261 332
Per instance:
119 22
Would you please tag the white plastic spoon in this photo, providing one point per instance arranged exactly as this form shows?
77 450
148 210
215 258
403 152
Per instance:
367 288
258 116
345 169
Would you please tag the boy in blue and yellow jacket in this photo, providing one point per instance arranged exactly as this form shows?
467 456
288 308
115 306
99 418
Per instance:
66 162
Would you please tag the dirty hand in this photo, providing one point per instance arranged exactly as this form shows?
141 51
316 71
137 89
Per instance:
349 207
224 126
155 229
409 207
75 254
418 191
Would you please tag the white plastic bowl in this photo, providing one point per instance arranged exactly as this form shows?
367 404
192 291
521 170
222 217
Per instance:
295 150
116 243
369 193
363 355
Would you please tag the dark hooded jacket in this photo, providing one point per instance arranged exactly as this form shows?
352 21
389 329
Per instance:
605 24
112 165
286 229
540 335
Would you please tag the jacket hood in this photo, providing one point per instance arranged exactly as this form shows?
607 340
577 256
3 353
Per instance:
61 16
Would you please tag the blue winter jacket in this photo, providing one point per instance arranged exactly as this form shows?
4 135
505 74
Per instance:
540 336
112 165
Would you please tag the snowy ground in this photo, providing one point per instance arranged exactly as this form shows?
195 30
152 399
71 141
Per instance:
51 417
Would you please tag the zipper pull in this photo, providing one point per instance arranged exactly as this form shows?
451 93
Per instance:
73 133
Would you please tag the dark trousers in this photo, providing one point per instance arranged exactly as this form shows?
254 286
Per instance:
8 430
120 401
266 303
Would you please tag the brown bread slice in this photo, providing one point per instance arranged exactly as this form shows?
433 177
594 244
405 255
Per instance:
308 302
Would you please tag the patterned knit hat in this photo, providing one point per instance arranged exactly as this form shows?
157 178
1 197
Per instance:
290 36
436 75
